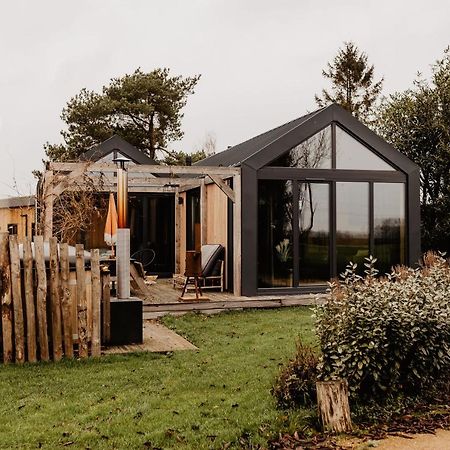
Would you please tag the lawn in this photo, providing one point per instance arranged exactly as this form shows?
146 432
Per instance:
196 400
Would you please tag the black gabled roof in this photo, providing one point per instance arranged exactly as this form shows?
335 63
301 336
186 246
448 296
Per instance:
264 148
121 145
234 156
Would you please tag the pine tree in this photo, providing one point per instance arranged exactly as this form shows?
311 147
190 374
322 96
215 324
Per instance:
145 109
352 83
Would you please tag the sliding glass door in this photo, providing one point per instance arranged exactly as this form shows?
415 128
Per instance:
313 233
308 231
291 255
352 225
275 234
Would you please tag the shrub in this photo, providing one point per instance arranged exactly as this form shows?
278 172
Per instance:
387 336
296 383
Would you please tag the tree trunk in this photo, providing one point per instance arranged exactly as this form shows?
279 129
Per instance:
334 409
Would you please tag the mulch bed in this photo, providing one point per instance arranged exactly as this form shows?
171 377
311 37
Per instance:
297 442
420 419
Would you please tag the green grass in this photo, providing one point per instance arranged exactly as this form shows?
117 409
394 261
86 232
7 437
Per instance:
203 399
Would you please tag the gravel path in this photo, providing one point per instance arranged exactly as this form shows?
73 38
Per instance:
439 441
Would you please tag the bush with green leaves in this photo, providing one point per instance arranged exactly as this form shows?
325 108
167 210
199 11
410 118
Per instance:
388 336
296 383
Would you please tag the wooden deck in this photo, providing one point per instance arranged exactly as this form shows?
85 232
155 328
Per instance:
157 338
165 300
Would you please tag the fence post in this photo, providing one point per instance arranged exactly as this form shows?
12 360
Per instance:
16 287
41 297
96 299
55 300
81 303
29 300
66 300
106 307
6 299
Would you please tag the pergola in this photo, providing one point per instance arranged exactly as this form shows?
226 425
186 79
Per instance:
62 177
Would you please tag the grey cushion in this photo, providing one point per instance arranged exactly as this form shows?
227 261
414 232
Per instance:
72 253
210 254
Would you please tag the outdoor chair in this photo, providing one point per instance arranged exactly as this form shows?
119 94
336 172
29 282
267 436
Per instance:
212 266
210 273
145 257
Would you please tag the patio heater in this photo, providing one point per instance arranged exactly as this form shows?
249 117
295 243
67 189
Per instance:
123 232
126 312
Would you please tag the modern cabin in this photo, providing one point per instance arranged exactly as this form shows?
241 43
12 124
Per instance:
291 206
318 192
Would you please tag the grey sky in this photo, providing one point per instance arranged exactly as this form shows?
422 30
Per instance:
260 60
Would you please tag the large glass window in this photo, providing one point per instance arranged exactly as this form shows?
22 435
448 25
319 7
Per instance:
352 224
389 225
314 233
351 154
275 237
314 153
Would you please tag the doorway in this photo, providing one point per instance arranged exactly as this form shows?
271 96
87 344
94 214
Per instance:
152 231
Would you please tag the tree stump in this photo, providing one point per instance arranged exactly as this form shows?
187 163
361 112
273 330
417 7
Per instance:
334 409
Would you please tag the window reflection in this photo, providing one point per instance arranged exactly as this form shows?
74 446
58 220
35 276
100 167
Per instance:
352 224
351 154
314 233
193 219
275 237
389 225
314 153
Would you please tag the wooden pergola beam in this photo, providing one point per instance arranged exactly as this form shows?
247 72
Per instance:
113 187
203 209
56 183
223 187
67 180
170 170
48 198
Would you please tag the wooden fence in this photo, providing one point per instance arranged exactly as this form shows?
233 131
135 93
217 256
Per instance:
50 307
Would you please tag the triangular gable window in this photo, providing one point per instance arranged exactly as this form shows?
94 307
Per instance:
109 158
314 153
351 154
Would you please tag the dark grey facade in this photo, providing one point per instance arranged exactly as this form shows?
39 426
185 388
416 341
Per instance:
318 192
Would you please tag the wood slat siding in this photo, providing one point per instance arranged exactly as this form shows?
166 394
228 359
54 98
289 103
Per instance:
6 299
44 303
15 215
216 216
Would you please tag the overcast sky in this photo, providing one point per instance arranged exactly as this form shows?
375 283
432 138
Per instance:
260 60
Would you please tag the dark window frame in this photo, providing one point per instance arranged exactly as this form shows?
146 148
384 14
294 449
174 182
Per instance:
333 131
332 231
255 167
13 228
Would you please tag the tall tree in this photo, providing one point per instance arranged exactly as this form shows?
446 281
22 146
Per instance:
417 123
205 149
352 83
143 108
